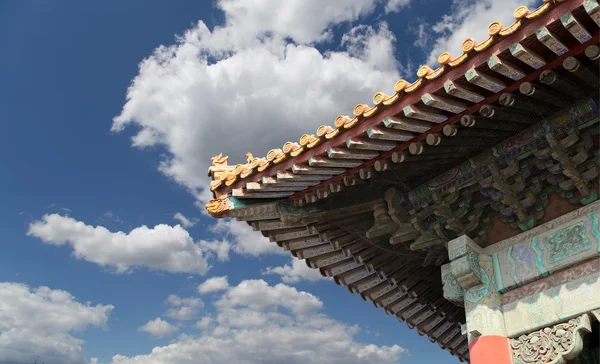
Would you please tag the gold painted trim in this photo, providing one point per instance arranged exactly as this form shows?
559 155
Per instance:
391 100
414 86
458 60
511 29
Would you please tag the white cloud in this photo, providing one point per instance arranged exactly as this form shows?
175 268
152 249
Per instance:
470 19
244 240
40 322
183 308
213 284
185 222
163 247
395 5
245 87
259 295
422 36
158 328
250 328
296 272
220 248
304 21
204 323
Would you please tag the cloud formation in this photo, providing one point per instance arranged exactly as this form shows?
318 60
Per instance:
183 308
41 321
297 271
243 240
185 222
214 284
198 97
260 323
158 328
165 248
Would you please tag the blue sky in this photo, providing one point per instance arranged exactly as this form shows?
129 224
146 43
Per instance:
86 161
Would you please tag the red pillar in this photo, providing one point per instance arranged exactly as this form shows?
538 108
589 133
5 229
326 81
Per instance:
490 349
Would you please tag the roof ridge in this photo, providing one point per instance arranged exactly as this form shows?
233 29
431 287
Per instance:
224 175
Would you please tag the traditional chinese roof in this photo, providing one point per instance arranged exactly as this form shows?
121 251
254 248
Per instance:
419 122
492 143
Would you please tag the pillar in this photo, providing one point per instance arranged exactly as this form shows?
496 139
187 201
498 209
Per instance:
469 279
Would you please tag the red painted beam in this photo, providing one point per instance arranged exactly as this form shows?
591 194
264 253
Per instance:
429 86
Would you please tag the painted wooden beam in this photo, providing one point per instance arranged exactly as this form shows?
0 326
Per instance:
453 89
288 176
414 112
505 113
375 132
484 81
270 181
443 103
345 153
505 68
255 186
561 84
367 144
575 67
242 193
551 42
575 28
593 9
318 161
304 169
478 122
407 124
527 56
536 92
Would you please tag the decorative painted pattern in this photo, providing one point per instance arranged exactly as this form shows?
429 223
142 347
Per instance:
567 242
553 246
556 280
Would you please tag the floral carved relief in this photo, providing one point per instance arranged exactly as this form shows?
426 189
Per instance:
551 345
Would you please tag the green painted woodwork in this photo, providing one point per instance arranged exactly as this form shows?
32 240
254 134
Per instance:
558 244
567 242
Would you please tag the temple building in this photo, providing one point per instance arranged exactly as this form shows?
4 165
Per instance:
466 203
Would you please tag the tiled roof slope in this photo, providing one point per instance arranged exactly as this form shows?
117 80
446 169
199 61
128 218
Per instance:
225 177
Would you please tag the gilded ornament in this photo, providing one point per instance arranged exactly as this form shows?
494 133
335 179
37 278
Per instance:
415 85
290 147
424 71
324 129
306 139
468 45
400 86
494 28
444 58
218 207
341 120
360 109
379 98
521 12
219 160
